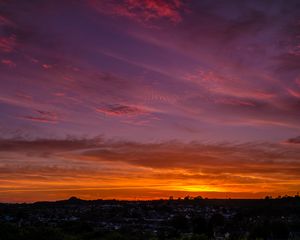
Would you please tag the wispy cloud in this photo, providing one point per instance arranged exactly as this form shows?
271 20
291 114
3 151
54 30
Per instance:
82 164
121 110
43 116
7 44
8 62
141 11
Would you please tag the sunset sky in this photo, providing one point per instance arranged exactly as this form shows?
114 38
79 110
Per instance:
146 99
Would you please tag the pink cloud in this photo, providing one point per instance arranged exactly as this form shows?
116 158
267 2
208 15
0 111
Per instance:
235 102
294 93
267 122
7 44
121 110
24 97
43 117
5 21
233 86
295 50
137 122
8 62
47 66
39 119
59 94
141 10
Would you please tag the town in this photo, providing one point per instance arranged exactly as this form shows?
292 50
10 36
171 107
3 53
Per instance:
184 218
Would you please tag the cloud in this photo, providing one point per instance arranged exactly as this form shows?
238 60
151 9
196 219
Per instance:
141 11
121 110
227 85
4 21
234 158
98 165
8 39
7 44
43 116
8 62
53 145
39 119
295 140
47 66
287 63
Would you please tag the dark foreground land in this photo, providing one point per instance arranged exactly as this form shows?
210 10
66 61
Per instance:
186 219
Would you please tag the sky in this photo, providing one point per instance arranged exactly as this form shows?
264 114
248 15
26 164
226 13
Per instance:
146 99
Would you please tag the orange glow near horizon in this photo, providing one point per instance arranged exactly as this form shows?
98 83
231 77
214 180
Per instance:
96 168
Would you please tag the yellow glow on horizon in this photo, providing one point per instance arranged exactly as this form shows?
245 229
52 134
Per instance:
198 188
